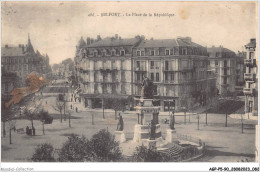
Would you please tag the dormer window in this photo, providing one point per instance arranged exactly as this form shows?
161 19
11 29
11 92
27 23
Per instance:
142 53
113 52
184 51
167 52
122 52
152 53
138 53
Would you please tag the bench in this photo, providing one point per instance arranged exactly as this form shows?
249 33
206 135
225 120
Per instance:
20 130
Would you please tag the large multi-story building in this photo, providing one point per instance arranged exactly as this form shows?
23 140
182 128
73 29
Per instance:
223 62
251 78
116 67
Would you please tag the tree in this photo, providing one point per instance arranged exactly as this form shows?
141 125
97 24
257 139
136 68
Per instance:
58 107
142 154
75 149
115 104
44 117
104 147
6 115
43 153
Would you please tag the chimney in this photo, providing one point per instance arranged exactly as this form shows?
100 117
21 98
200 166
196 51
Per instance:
91 41
116 36
98 37
6 46
253 40
88 40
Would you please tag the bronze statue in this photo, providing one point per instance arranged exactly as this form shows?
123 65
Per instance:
172 120
120 125
147 89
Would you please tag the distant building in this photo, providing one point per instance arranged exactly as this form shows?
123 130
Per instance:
115 67
240 68
251 78
23 60
9 81
223 62
17 63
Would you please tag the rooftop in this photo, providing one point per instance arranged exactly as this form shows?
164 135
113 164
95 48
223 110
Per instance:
12 51
112 42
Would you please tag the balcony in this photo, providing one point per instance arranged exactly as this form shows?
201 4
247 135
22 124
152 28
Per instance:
249 91
168 69
250 62
140 69
250 77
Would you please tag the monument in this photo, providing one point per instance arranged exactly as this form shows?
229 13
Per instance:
119 133
170 132
147 130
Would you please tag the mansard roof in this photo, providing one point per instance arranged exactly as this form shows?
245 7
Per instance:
12 51
113 42
167 43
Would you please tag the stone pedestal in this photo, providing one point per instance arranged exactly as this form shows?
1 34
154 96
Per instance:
170 135
142 132
151 144
120 136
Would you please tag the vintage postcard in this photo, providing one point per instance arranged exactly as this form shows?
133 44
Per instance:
129 82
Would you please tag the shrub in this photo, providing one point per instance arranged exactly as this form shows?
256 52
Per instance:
142 154
43 153
104 147
101 147
75 149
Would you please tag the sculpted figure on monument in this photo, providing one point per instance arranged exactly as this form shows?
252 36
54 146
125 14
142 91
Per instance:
172 120
147 89
120 125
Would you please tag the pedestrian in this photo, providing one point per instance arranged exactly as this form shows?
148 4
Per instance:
46 102
76 109
71 106
33 130
27 130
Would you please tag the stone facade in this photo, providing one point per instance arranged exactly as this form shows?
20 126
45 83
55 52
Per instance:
251 78
116 66
223 62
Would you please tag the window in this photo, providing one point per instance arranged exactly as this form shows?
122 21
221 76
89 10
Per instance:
122 52
155 90
172 76
166 65
251 55
138 53
167 52
142 53
225 80
152 53
103 54
225 63
225 71
152 76
113 52
166 76
216 62
157 77
152 65
184 51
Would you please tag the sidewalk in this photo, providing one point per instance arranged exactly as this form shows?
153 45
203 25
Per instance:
245 116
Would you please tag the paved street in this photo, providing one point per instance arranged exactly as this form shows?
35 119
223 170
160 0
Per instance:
223 143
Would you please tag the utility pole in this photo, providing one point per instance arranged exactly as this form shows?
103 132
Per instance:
242 125
226 119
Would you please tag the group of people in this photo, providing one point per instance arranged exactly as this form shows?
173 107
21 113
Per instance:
30 131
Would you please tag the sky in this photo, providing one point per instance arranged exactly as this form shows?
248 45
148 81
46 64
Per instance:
56 27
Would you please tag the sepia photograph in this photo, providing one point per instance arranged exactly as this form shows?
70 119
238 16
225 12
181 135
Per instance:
115 81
